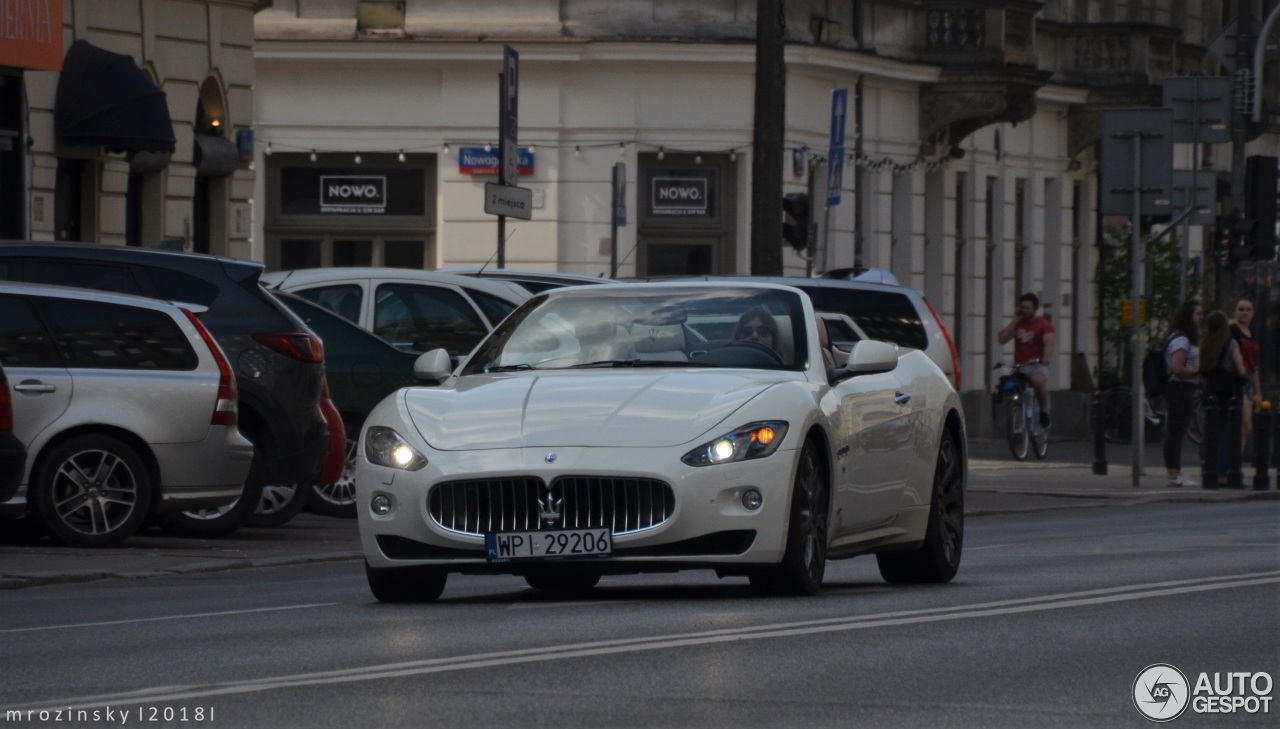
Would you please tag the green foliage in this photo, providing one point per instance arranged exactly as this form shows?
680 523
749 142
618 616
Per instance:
1113 280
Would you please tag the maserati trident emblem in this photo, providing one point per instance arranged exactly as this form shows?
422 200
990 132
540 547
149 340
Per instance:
551 458
549 508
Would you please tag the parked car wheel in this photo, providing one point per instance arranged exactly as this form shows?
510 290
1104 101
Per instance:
223 520
406 584
938 559
277 506
576 581
805 560
338 498
92 491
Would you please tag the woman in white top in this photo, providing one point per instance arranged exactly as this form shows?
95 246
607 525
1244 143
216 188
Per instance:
1183 359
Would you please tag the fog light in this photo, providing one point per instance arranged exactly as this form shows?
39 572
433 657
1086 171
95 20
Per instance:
752 499
381 505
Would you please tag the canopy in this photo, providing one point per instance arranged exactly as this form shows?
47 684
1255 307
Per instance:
105 100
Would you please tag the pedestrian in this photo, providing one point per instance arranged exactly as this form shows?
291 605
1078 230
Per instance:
1250 352
1033 337
1222 373
1182 359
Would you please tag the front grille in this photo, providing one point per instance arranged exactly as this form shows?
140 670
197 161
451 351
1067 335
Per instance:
624 505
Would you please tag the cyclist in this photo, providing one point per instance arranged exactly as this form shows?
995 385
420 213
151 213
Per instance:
1032 348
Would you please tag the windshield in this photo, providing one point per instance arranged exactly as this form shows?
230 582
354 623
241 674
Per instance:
649 326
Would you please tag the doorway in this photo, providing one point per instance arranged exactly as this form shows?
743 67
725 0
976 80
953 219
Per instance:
687 208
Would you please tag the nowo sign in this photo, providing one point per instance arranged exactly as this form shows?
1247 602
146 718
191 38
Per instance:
353 194
678 196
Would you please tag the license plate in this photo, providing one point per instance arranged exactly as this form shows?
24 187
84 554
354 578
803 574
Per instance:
560 544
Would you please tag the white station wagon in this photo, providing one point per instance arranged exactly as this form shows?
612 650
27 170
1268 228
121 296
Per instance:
627 428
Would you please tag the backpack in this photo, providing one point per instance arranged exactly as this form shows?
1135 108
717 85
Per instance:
1155 373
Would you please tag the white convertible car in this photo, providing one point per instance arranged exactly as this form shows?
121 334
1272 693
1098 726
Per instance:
630 428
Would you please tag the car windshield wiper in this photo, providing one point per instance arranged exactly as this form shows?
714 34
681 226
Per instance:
642 363
509 368
608 363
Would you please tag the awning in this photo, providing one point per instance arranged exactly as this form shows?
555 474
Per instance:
214 156
105 100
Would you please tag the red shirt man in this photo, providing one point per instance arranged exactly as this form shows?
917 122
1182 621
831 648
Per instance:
1032 340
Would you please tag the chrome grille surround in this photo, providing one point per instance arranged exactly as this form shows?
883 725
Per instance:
476 506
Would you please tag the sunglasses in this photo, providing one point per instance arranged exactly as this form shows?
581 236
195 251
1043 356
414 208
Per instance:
762 331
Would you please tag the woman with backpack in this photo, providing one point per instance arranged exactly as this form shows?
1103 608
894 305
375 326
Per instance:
1222 369
1182 359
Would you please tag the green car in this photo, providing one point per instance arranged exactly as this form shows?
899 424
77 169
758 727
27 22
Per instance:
361 369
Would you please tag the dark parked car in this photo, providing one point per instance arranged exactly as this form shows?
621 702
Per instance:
278 362
13 455
362 369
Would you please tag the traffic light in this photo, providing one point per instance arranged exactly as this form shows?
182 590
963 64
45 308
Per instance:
795 223
1242 243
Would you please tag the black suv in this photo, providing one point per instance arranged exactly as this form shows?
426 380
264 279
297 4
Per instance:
279 362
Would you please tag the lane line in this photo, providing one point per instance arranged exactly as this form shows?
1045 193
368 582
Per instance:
1086 598
188 616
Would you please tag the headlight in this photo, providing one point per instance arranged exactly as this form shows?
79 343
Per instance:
385 447
755 440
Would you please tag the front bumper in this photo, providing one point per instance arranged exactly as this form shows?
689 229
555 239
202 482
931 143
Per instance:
708 525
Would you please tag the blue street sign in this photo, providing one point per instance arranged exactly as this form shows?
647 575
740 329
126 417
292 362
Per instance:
835 175
509 116
839 110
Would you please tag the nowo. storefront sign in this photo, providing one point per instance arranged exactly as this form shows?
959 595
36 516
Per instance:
678 196
353 194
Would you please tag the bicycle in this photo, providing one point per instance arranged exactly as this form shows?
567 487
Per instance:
1022 413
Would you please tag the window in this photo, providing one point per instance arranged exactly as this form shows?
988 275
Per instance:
100 276
108 336
23 342
342 300
883 315
495 309
422 318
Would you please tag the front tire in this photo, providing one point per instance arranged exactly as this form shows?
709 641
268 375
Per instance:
92 491
1019 438
805 561
405 584
938 559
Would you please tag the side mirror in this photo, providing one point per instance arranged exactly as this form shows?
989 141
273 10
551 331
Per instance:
870 356
433 366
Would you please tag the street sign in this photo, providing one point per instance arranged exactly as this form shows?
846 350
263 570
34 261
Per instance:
509 117
508 200
1204 187
839 110
620 194
835 153
835 175
1137 157
1201 108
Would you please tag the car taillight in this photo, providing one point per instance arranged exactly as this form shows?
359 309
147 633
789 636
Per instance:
955 356
6 408
303 347
225 411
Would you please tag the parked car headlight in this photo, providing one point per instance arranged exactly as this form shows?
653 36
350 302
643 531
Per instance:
385 447
755 440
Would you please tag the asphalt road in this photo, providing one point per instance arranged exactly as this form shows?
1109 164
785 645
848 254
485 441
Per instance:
1049 623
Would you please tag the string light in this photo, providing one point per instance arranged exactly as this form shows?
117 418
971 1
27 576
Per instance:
488 147
622 149
733 155
577 151
358 160
697 160
533 149
267 151
446 148
662 153
402 155
313 155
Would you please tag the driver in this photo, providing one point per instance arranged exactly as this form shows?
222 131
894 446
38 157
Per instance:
758 325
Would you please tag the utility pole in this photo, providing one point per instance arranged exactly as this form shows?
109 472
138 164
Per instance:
768 138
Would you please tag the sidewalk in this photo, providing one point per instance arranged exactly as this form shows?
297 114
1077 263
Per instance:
997 485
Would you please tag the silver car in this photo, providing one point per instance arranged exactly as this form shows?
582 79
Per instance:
126 405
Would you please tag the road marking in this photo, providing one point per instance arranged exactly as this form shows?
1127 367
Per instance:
166 617
989 546
384 671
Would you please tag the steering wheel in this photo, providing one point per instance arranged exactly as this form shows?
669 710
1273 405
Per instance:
758 347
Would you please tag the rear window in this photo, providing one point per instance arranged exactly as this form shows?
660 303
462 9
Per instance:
109 336
884 315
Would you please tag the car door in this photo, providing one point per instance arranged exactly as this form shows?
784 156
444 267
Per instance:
875 428
40 386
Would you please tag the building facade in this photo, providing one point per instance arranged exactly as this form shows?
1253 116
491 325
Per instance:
970 168
119 122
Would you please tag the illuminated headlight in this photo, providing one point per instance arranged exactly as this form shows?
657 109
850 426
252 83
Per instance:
756 440
385 447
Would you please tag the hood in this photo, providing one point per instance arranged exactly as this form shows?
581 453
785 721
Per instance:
577 408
